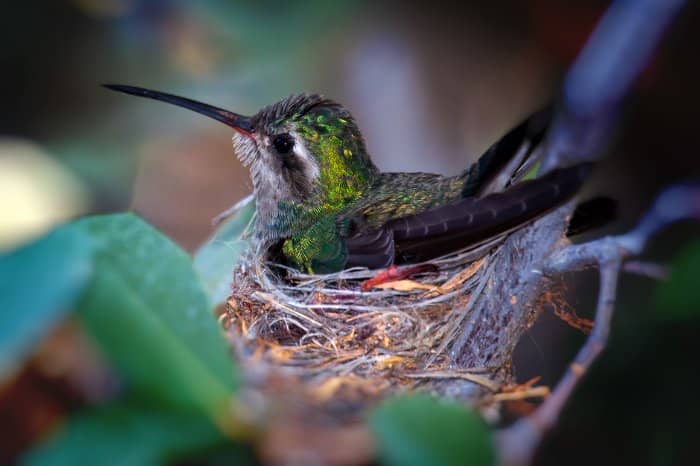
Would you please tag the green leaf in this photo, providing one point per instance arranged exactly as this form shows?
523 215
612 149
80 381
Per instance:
148 312
422 431
124 434
216 258
226 455
38 283
679 297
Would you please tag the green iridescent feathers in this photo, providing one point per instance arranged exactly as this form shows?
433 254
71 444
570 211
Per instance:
349 189
322 205
345 173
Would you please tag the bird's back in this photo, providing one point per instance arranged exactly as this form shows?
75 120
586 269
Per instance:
408 217
395 195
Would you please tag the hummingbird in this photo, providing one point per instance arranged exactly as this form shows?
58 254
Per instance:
322 205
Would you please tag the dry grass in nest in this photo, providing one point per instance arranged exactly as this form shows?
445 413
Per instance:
341 342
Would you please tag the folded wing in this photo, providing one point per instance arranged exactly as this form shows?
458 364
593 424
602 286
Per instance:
464 223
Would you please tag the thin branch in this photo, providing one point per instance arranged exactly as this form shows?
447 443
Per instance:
618 50
519 442
680 202
646 269
548 414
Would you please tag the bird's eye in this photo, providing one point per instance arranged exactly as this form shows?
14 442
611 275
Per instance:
283 143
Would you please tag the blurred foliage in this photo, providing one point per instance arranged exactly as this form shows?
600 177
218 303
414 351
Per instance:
146 308
36 192
141 300
216 258
470 69
37 285
422 431
678 298
127 433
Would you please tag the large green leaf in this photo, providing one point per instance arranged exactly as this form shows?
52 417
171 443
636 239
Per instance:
216 258
678 298
125 434
422 431
38 283
146 309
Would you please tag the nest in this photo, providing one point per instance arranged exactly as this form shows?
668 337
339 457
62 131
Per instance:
359 334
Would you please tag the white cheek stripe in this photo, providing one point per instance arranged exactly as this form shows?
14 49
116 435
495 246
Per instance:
311 169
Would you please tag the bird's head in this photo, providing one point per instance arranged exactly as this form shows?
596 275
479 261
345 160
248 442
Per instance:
304 150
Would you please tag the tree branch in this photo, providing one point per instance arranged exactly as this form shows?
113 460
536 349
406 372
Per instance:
593 91
519 442
618 50
677 203
616 53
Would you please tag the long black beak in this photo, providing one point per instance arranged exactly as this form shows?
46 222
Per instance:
240 123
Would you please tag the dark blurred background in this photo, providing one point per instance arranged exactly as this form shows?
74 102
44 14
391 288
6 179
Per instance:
431 84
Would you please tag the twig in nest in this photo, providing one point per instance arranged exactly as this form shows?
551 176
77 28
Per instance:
534 392
461 277
465 375
324 330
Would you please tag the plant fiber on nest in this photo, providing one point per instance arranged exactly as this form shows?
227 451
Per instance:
342 340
